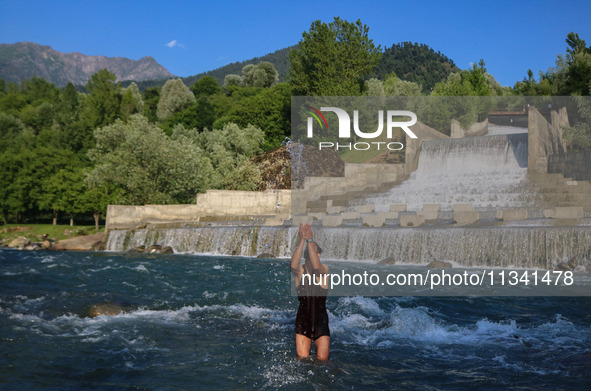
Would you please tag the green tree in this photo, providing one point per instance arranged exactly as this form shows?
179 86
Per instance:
61 190
269 110
416 63
578 136
374 87
570 76
147 165
230 151
262 75
473 82
175 96
232 80
200 115
10 126
39 90
206 86
333 59
151 96
102 105
394 86
578 62
14 199
95 199
68 106
131 101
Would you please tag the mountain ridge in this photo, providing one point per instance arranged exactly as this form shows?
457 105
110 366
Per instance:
24 60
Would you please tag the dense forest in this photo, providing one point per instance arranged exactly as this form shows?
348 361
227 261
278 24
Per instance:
417 63
412 62
66 152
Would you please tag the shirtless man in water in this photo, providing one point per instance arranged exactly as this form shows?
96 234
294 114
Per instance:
312 318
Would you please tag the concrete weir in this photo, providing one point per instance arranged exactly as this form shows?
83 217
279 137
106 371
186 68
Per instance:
522 247
476 201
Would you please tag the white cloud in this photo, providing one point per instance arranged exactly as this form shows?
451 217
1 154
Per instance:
174 43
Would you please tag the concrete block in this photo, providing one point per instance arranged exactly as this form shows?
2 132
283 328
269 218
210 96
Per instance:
466 217
572 183
389 215
462 207
398 208
365 208
411 220
350 215
334 209
429 214
430 211
549 213
317 216
568 212
301 219
332 221
513 214
273 221
376 220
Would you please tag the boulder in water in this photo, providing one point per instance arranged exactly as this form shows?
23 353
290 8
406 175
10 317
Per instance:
19 242
167 250
109 309
564 267
80 243
138 249
155 249
32 246
266 255
387 261
573 263
46 244
439 265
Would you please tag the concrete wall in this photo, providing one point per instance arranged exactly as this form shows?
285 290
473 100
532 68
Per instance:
357 177
413 145
220 203
573 164
477 129
544 138
133 216
244 203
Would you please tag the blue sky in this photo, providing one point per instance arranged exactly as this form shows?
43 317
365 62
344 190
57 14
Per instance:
511 36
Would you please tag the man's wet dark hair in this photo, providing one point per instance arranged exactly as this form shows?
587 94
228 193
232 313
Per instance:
306 255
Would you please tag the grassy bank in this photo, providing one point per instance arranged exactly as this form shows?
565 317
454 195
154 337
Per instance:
35 232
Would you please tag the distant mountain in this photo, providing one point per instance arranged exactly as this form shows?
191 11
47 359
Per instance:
410 61
415 62
279 59
23 60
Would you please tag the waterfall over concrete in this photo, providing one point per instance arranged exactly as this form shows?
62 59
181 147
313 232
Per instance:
524 247
244 241
487 171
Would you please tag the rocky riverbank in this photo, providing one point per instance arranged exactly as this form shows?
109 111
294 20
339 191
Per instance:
91 242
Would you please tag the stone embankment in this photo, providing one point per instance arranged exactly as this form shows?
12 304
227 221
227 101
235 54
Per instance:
79 243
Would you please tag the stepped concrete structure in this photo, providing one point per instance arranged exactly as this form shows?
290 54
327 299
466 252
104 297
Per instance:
475 194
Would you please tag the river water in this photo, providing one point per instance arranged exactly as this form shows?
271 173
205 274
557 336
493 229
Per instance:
208 322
